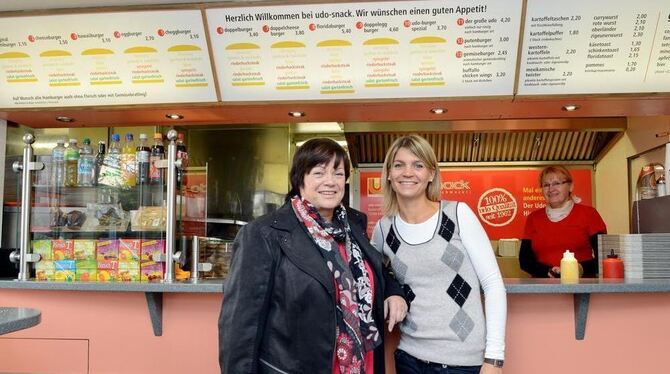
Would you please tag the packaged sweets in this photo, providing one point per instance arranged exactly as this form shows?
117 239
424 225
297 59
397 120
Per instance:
152 250
84 250
107 270
152 271
62 249
107 249
128 272
64 271
43 248
129 250
86 274
44 271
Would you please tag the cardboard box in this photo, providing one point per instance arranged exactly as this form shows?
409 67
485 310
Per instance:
86 274
129 250
128 272
43 248
45 271
107 249
152 271
65 271
62 249
509 247
84 250
152 250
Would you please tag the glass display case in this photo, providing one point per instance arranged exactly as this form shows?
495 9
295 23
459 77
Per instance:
111 215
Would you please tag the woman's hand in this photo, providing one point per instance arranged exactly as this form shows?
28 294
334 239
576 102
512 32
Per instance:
490 369
395 309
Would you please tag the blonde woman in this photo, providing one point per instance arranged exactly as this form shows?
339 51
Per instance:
441 255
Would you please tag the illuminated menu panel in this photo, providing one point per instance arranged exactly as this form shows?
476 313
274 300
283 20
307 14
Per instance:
582 47
105 59
366 50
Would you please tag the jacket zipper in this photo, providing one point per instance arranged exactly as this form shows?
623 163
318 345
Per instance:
273 367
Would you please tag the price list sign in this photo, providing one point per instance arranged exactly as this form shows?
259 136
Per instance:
104 59
584 47
366 50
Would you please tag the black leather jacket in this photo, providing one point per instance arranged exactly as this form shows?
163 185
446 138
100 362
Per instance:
278 312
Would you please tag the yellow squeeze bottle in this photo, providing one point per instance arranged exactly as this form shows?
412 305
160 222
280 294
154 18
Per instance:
569 268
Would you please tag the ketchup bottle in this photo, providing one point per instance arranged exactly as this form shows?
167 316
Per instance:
612 266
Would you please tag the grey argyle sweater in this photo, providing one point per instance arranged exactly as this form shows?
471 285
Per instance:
445 323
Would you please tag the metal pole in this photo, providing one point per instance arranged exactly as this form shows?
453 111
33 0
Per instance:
26 192
170 226
195 258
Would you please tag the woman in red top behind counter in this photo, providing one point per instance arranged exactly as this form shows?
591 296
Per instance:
563 224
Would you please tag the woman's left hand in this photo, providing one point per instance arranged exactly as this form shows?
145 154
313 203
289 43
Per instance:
490 369
395 309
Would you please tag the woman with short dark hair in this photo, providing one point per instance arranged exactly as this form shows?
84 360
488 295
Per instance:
306 292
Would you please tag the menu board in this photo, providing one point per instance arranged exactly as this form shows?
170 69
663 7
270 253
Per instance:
501 198
582 47
366 50
105 59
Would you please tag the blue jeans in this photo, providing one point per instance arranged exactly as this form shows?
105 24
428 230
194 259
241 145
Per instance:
408 364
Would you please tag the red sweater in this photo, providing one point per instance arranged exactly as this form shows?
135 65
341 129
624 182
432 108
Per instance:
551 239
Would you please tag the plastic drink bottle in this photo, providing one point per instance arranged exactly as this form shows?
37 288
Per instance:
58 164
128 162
143 157
99 158
182 155
569 268
71 163
155 173
85 165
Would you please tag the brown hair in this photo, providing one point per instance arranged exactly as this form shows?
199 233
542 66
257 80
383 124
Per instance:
556 169
313 153
421 149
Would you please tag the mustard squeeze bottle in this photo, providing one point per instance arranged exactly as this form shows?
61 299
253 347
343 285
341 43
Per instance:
569 268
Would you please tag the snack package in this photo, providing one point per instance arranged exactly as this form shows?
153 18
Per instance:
107 249
107 216
152 250
86 274
107 270
128 272
149 218
129 250
84 250
152 271
44 271
65 271
62 249
43 248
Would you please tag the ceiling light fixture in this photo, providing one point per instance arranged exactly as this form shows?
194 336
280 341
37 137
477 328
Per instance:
174 116
438 110
570 107
296 114
64 119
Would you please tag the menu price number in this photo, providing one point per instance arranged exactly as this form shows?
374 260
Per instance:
500 74
62 41
503 39
441 27
149 38
502 52
631 66
573 32
639 25
567 73
21 44
253 34
570 51
194 36
346 30
505 19
575 18
393 29
106 40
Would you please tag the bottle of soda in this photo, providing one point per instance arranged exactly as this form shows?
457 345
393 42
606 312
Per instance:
182 155
99 159
85 165
71 163
142 155
156 174
128 162
58 164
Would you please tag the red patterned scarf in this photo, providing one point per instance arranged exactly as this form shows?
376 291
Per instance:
356 329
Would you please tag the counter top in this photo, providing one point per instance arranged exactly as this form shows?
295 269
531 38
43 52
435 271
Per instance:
203 286
585 286
14 319
513 286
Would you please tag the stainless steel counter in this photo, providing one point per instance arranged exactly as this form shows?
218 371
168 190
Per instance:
14 319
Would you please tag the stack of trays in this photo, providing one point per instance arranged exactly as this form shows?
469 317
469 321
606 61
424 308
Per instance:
645 256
